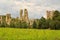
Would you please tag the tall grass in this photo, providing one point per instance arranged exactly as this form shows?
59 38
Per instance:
28 34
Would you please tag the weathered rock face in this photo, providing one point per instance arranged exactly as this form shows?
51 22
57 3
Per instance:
8 18
25 16
50 14
0 19
5 18
21 14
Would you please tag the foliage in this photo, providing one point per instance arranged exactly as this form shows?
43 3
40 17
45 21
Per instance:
24 25
41 23
34 25
55 23
3 24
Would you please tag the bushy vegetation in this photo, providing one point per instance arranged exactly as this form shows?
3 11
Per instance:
41 23
53 23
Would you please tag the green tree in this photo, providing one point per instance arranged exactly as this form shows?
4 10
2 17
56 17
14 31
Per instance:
12 25
3 24
43 24
55 23
23 25
56 15
34 24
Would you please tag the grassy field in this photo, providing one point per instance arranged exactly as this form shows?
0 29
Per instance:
28 34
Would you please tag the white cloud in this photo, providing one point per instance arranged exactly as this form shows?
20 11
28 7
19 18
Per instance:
36 8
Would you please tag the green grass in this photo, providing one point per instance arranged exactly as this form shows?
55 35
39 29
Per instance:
28 34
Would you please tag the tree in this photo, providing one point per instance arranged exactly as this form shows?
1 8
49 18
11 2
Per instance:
43 23
17 25
34 25
57 25
52 24
23 25
12 25
56 15
4 24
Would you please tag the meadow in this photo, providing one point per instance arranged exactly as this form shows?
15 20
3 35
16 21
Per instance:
28 34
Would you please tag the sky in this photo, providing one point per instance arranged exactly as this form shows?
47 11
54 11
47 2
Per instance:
36 8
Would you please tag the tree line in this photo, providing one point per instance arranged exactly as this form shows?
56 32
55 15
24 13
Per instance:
41 23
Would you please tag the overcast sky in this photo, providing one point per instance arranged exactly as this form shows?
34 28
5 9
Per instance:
36 8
